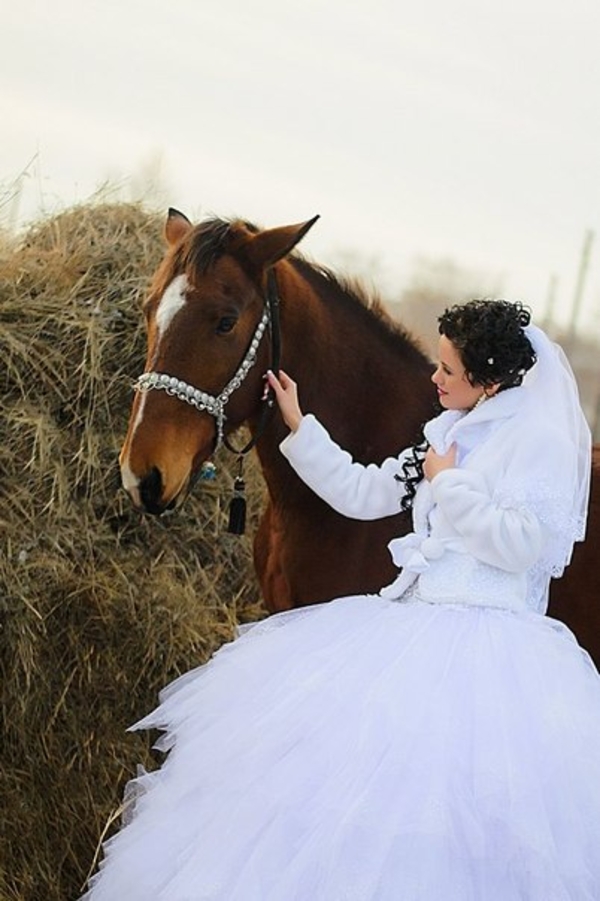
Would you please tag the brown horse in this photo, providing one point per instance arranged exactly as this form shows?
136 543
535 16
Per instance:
361 374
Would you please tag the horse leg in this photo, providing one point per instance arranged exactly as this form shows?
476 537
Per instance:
267 561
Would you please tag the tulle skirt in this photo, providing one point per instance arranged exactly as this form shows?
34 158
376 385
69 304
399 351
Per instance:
367 750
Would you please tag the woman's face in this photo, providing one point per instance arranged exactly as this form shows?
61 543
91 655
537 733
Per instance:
455 391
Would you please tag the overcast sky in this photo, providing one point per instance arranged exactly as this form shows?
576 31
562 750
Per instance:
463 130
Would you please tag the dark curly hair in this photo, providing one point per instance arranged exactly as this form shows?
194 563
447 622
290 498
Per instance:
489 336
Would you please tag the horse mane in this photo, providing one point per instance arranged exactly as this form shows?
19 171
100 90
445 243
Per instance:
366 307
214 237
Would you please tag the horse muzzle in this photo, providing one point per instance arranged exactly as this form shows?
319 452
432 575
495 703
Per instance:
148 493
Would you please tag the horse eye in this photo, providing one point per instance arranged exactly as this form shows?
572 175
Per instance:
226 324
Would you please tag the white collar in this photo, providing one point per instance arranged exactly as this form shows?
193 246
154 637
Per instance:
467 427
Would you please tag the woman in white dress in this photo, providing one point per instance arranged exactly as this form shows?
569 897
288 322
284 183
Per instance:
439 741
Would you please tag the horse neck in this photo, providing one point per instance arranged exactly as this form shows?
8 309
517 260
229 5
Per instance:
371 390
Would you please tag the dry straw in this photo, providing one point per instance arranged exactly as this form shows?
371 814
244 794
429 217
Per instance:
99 607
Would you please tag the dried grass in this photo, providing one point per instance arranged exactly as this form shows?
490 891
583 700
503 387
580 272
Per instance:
99 607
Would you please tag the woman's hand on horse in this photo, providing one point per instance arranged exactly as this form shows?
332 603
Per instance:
286 393
435 463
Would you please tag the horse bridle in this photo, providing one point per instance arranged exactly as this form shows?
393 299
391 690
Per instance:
215 404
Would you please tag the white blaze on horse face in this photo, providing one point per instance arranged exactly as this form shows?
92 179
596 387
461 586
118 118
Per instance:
170 303
130 482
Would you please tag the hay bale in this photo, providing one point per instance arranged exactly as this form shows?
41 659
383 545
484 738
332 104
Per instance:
99 607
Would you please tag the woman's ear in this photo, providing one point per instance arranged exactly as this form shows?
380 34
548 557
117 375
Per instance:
490 390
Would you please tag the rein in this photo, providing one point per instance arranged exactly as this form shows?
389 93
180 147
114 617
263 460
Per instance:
215 404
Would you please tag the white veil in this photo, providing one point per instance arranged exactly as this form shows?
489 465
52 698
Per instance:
544 459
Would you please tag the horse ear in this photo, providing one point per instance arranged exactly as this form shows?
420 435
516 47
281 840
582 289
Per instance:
272 244
176 226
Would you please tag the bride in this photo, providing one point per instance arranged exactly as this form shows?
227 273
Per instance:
439 740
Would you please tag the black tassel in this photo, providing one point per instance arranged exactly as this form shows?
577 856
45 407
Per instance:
237 507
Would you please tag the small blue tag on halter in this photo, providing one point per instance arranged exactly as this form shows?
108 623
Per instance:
208 472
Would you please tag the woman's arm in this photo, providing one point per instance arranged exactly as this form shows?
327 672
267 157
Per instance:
354 490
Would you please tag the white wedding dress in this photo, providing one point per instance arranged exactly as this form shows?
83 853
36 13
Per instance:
437 742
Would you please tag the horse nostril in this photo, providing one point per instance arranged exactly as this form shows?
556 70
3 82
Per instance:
150 492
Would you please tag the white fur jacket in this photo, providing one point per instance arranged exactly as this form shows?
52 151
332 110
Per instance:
472 544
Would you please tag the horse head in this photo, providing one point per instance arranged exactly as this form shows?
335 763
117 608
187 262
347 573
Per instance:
207 328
